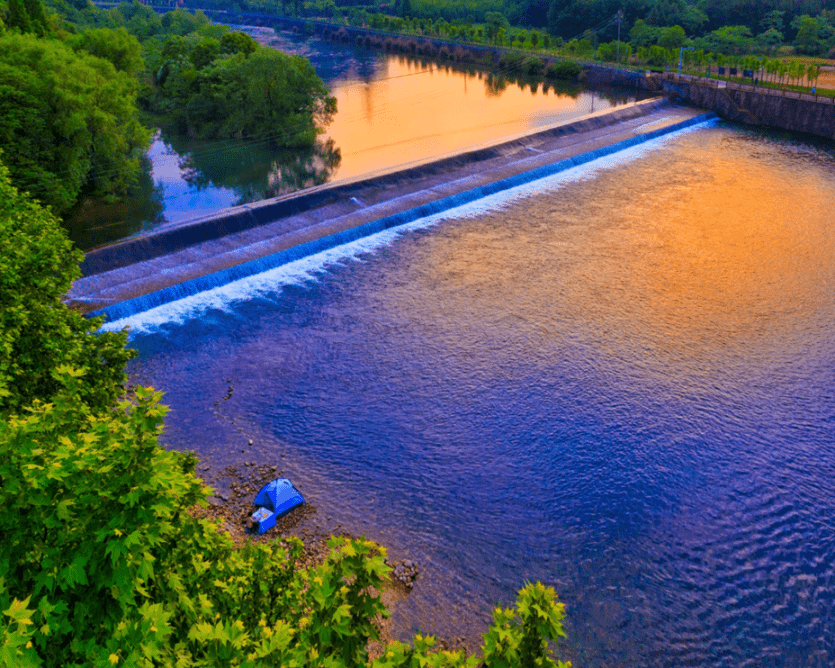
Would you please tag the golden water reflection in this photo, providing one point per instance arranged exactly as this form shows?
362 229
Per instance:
716 251
412 111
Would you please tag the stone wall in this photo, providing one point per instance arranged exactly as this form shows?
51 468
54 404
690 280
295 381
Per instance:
756 106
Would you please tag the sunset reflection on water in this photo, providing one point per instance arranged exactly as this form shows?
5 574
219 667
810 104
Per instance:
411 111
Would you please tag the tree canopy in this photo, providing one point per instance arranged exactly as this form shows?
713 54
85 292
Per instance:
70 97
68 120
220 89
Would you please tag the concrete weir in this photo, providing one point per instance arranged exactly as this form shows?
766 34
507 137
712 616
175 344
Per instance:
176 261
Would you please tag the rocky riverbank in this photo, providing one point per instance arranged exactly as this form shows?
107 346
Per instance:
232 511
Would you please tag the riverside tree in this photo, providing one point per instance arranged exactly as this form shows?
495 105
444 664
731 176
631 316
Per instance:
210 92
68 121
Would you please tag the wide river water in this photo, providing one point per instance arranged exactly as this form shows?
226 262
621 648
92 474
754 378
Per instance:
618 381
392 111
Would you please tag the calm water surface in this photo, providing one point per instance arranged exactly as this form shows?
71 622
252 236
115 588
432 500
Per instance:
618 382
392 111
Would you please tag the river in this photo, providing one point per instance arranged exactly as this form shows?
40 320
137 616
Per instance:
617 381
392 111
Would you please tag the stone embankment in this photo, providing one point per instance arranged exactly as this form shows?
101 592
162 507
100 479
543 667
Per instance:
754 105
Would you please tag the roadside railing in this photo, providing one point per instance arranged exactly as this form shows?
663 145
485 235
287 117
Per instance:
766 90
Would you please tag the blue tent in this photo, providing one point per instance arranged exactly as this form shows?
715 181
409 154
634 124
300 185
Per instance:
276 498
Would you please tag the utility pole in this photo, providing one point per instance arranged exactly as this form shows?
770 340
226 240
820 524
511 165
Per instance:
620 18
681 55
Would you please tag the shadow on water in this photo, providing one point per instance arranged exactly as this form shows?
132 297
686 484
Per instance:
183 178
97 222
254 170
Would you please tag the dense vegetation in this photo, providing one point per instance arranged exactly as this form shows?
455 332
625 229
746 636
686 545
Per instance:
230 87
101 562
732 27
74 80
68 120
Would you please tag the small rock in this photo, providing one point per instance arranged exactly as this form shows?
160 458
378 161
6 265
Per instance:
407 563
250 441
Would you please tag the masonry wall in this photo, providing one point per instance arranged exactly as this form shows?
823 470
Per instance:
746 104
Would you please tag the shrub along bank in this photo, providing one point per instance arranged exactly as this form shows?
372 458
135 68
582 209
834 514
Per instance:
102 565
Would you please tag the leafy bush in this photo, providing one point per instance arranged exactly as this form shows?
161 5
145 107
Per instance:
533 66
658 56
511 62
607 52
563 69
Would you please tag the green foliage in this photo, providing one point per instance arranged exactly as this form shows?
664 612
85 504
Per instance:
67 121
770 40
643 34
179 22
139 20
238 42
563 69
28 16
262 93
671 38
807 38
582 48
533 66
659 56
677 13
519 637
611 51
37 333
494 23
117 46
731 39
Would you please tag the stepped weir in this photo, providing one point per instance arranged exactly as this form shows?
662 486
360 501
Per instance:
187 258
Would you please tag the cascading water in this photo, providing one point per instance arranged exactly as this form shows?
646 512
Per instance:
122 310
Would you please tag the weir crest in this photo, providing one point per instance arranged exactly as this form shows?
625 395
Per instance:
124 291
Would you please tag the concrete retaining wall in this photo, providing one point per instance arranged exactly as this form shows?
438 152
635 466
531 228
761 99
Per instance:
756 106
